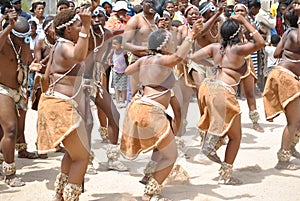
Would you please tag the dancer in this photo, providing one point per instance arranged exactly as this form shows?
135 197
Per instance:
108 115
248 83
282 89
146 125
219 108
61 111
136 32
15 57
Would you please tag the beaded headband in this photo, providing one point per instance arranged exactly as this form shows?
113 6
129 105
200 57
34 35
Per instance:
21 35
168 36
76 17
240 4
236 33
48 25
189 8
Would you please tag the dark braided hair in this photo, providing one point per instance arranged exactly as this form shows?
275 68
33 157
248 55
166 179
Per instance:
156 39
61 18
47 20
228 32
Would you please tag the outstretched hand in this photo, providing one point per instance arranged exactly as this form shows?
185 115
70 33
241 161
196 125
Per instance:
197 27
35 67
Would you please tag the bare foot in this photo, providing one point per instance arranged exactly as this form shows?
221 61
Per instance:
58 197
156 197
230 181
295 153
13 181
258 128
287 166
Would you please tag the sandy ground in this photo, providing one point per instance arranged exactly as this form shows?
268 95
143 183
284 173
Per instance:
254 165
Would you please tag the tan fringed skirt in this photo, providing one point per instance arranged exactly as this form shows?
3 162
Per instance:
252 70
281 88
145 128
218 107
57 118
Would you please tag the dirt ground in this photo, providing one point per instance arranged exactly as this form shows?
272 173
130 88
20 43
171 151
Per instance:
254 165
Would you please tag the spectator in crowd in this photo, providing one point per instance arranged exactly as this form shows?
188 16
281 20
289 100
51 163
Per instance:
38 9
119 78
270 49
107 5
62 5
118 19
17 4
71 4
280 25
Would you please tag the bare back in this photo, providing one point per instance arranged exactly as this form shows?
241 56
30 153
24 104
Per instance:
229 62
156 78
291 51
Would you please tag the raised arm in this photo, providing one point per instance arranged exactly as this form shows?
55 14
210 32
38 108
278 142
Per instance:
258 41
13 16
280 46
203 53
78 53
184 49
209 23
134 67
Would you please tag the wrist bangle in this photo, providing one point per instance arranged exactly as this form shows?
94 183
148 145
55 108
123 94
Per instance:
253 33
83 35
189 40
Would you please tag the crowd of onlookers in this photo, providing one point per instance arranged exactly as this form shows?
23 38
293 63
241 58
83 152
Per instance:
273 10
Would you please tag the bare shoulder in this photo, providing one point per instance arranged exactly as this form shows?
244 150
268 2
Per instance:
215 47
108 34
182 28
133 21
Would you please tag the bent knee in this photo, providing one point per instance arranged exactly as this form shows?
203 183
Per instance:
10 130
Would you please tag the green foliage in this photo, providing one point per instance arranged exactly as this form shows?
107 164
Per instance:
25 6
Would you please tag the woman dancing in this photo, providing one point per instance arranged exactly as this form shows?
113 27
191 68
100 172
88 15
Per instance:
219 108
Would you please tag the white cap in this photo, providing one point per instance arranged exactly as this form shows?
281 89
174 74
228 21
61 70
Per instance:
120 5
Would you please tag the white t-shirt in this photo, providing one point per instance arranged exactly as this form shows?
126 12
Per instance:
271 60
39 28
